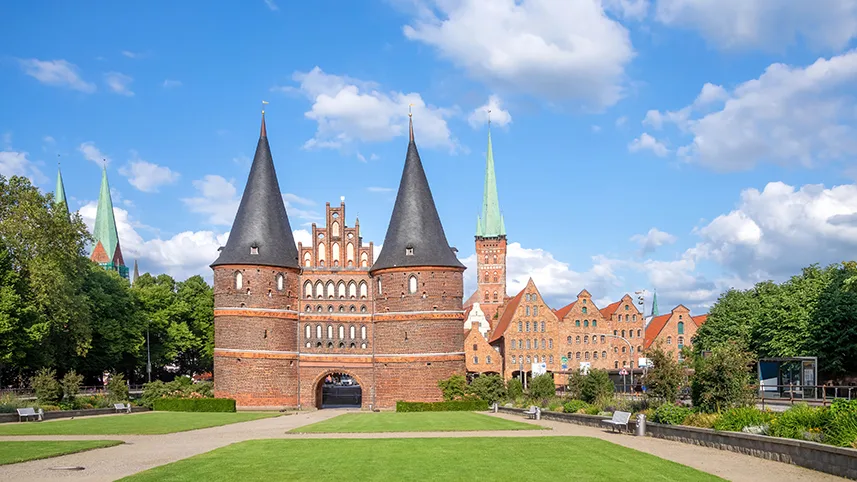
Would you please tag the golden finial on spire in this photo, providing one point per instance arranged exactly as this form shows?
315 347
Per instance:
489 117
410 114
264 103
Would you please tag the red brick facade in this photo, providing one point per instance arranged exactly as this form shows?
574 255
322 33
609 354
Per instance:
280 332
673 331
491 275
481 357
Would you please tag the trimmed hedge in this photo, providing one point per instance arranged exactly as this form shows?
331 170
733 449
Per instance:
454 406
194 404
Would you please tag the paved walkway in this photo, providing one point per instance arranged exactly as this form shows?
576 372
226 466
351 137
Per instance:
141 452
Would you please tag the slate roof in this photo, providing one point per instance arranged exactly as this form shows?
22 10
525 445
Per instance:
261 221
415 226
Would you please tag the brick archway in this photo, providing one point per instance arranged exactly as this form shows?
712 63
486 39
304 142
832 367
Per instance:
319 381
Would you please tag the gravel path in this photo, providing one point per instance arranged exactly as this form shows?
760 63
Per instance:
141 452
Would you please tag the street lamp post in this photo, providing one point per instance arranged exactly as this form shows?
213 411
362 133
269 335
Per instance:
148 355
630 350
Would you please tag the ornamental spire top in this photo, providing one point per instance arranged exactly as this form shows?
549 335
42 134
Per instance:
59 194
491 221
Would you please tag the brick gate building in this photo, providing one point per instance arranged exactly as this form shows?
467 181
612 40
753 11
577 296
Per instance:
288 317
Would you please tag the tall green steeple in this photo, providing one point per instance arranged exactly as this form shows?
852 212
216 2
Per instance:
107 251
655 311
490 224
59 194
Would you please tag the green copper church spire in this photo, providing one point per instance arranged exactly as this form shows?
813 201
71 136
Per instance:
107 251
491 223
655 311
59 194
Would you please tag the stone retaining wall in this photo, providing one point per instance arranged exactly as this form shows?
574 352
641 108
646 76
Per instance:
824 458
13 417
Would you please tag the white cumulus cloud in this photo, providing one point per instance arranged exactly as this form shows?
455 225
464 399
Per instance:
764 24
57 73
350 110
92 153
648 143
788 116
147 176
119 83
652 240
557 50
492 110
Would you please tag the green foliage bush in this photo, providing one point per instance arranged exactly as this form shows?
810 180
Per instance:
664 380
48 389
542 387
9 402
575 383
181 387
117 388
671 414
574 406
722 379
71 383
515 388
736 419
800 420
842 426
446 406
453 388
596 385
490 388
702 420
194 405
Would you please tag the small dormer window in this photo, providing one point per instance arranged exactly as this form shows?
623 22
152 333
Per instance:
254 250
409 251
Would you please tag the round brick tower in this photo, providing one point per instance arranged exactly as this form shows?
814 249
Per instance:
418 317
256 296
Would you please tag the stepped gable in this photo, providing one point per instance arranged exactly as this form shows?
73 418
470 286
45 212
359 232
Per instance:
261 234
415 235
506 317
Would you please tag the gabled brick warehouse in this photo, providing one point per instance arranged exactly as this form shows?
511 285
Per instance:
293 321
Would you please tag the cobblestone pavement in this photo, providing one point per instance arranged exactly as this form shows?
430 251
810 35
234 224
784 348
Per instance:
141 452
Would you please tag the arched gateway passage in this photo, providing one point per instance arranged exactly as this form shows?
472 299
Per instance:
338 390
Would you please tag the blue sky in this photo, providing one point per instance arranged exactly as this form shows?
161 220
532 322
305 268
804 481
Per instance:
684 146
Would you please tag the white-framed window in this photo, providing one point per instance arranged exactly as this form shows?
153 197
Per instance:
280 282
412 284
341 332
329 331
364 290
318 331
239 280
363 332
308 289
308 331
352 332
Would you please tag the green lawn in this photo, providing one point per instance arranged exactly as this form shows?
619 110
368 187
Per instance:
148 423
413 422
441 459
14 452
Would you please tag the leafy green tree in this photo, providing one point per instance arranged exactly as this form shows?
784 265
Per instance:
542 386
48 389
488 387
453 388
575 384
17 318
515 388
722 378
117 388
666 377
71 383
596 385
47 250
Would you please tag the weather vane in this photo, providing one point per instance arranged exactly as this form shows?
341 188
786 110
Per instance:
489 117
410 114
264 103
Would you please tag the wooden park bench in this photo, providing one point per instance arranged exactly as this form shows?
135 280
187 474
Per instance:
620 419
532 412
26 413
122 407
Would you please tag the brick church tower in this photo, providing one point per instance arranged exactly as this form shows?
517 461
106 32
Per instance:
490 245
418 316
256 295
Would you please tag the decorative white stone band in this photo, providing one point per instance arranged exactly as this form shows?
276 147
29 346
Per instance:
338 355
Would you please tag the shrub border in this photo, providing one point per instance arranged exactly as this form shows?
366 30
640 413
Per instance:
194 405
833 460
453 406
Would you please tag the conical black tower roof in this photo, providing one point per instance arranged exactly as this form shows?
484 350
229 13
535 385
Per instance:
415 236
261 225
